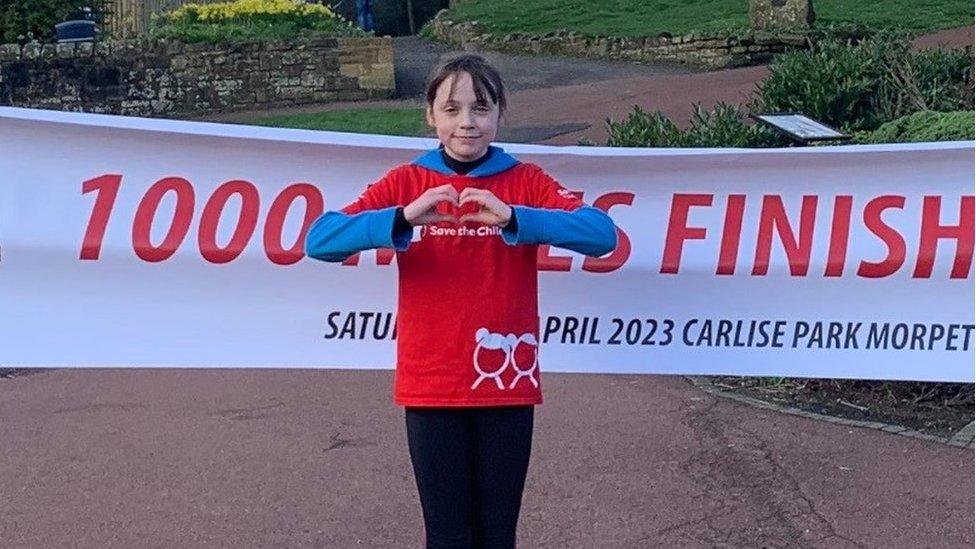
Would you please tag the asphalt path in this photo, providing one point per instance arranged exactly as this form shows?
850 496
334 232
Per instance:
318 458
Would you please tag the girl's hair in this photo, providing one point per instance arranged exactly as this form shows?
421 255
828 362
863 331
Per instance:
485 78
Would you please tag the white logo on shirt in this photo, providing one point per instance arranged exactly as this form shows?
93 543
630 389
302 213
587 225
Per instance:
507 343
420 231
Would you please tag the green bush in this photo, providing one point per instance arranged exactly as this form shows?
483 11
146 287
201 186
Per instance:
858 87
942 80
834 83
642 129
240 20
25 20
723 126
924 126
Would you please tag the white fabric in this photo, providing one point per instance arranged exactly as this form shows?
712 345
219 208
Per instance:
121 310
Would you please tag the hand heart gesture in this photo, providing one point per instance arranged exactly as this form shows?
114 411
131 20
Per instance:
490 210
423 210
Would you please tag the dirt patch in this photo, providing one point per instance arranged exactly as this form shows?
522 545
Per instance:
939 409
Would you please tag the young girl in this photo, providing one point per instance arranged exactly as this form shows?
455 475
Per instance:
465 220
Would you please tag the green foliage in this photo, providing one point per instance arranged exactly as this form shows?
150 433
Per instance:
723 126
835 84
858 87
243 20
913 15
25 20
603 18
923 127
629 18
238 32
427 33
367 120
641 129
937 80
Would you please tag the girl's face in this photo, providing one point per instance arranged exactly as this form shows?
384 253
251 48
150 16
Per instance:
465 126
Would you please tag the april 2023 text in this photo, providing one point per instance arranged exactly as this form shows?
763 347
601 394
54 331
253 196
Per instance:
700 332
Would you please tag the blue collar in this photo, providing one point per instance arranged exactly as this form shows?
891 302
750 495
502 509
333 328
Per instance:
497 163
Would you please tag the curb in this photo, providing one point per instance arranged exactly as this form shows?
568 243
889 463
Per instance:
962 439
964 436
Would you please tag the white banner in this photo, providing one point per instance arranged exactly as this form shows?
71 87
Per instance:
136 242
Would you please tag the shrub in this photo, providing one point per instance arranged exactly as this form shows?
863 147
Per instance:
858 87
250 20
833 83
924 126
25 20
641 129
723 126
937 80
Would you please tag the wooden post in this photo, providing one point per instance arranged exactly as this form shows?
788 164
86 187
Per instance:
413 27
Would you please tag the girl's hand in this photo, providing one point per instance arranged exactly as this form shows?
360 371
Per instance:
423 210
491 210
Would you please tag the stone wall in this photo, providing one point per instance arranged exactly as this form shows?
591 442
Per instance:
143 77
701 50
781 14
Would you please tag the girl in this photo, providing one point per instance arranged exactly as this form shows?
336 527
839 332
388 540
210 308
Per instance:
465 220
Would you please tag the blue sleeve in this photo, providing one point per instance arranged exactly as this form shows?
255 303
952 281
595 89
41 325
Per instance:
334 236
586 230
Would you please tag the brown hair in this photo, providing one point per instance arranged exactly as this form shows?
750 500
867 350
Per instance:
485 78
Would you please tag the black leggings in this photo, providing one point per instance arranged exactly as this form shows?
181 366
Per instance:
470 465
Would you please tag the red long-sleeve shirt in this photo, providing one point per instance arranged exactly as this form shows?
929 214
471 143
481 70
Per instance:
467 314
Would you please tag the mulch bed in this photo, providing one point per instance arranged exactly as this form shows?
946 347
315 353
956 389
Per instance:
938 409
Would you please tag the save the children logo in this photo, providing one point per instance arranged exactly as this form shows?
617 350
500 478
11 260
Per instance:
567 194
457 230
506 345
420 231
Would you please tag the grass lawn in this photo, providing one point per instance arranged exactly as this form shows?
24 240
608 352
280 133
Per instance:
650 17
409 122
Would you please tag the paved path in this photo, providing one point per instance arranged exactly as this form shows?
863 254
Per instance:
303 458
300 458
414 57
